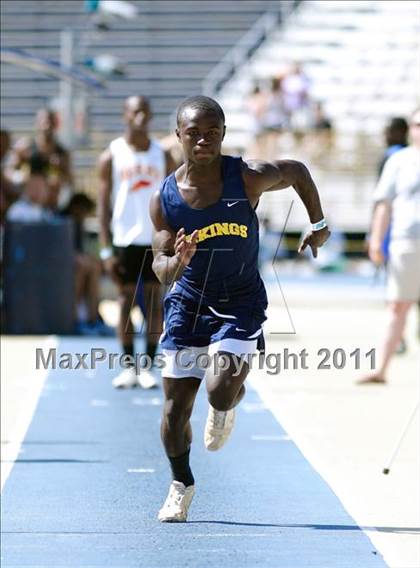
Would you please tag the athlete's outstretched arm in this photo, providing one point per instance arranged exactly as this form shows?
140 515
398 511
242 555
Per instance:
260 176
172 252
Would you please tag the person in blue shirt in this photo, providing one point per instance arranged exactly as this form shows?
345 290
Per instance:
205 247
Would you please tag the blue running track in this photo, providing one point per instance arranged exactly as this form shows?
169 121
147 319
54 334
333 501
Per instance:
86 489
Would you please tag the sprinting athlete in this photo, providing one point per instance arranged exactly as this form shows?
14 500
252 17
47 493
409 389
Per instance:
205 247
131 169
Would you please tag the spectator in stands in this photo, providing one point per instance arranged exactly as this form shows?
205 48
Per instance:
87 270
9 191
398 194
320 121
271 114
46 145
320 138
33 204
256 105
296 98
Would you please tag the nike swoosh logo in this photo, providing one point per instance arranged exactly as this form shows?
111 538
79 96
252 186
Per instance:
232 204
238 329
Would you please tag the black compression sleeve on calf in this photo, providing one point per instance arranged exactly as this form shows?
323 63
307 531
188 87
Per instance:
181 470
129 350
151 350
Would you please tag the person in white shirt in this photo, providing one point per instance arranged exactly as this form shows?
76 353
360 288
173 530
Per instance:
131 170
397 198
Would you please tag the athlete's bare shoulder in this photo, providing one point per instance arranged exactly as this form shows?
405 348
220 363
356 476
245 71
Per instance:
254 170
260 176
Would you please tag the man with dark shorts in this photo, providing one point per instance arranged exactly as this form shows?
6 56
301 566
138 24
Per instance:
131 169
205 247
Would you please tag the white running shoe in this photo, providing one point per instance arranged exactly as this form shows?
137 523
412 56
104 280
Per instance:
218 428
146 380
126 379
178 501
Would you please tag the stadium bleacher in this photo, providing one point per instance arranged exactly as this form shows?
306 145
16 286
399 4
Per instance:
362 57
363 62
167 51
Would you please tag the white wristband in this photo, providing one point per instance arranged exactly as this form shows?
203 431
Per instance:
320 225
106 253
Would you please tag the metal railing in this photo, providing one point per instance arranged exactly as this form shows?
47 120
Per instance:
245 47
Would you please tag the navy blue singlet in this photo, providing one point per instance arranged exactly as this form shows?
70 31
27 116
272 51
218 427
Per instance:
221 285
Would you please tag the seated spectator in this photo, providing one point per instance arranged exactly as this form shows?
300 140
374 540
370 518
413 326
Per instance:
256 105
46 145
296 99
319 139
270 118
320 122
33 204
9 191
274 116
87 271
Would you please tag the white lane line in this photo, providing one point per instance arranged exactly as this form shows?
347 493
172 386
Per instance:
28 404
155 401
97 402
314 459
261 438
217 535
140 470
77 534
251 407
61 387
